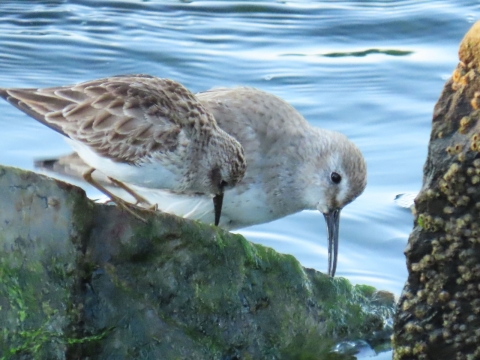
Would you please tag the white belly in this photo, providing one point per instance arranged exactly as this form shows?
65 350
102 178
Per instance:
239 209
150 175
242 206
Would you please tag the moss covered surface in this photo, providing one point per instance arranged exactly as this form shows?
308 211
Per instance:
82 280
438 313
40 251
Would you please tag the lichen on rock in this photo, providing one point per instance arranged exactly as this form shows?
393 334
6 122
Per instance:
438 313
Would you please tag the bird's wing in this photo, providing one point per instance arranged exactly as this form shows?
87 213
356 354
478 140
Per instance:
123 118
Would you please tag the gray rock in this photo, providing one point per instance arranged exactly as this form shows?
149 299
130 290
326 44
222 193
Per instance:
438 315
80 280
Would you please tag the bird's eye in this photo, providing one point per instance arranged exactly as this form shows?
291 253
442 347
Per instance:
336 177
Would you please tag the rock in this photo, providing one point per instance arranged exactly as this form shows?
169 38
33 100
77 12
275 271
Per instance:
438 314
80 280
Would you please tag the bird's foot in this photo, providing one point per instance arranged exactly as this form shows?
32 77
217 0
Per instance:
130 208
138 198
153 207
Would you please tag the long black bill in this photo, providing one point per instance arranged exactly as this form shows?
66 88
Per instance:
333 222
217 205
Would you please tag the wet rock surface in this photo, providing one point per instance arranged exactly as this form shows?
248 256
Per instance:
438 314
80 280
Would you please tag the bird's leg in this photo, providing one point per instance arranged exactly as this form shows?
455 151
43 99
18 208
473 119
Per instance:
140 199
87 176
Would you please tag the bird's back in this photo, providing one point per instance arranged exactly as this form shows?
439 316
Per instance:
259 120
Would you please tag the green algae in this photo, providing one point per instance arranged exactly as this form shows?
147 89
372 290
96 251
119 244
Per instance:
106 285
34 321
203 273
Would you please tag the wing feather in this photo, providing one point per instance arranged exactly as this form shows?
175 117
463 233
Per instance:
122 117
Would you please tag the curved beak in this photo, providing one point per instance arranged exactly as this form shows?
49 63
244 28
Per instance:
332 219
217 205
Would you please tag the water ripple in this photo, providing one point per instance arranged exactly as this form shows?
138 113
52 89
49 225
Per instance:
371 69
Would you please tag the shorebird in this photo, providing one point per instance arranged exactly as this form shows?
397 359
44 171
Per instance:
139 130
292 166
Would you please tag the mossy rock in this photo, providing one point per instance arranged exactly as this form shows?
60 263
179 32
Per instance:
84 280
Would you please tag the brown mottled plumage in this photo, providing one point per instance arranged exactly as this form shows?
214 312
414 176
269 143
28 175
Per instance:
139 130
291 166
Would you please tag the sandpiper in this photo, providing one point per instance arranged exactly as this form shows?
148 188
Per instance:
139 130
292 166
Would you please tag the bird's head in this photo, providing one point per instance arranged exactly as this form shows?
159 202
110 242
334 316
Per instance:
340 177
227 169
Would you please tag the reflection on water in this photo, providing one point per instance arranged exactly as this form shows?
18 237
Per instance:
372 70
369 52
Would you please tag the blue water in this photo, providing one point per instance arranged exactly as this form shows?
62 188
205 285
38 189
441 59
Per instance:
370 69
